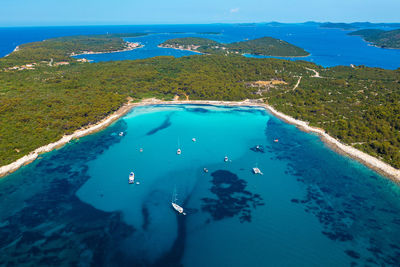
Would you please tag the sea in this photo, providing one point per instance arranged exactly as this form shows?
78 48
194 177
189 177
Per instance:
310 206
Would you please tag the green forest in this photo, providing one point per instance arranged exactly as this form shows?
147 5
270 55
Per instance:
60 49
266 46
360 105
380 38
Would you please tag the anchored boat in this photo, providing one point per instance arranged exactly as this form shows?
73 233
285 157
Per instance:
177 208
257 171
131 178
175 205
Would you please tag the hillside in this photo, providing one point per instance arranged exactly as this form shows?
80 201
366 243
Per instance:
60 49
266 46
380 38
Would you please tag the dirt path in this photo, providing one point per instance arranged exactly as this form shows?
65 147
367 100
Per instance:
297 84
316 73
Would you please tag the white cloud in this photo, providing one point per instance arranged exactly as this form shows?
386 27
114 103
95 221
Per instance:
234 10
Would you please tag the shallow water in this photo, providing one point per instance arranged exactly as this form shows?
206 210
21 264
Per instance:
312 207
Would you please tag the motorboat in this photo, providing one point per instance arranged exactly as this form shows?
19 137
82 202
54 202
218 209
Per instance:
132 178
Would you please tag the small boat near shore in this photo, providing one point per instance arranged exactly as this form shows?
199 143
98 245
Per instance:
179 151
131 178
194 139
205 170
276 140
226 159
121 134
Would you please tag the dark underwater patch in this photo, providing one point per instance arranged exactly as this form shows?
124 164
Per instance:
232 197
258 149
349 209
54 227
198 110
165 124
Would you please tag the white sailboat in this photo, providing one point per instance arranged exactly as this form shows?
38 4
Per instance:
256 170
176 207
179 151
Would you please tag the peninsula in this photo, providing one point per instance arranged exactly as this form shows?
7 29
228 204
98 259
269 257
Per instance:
380 38
266 46
358 106
62 48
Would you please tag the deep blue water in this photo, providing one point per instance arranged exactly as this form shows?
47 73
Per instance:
328 47
312 207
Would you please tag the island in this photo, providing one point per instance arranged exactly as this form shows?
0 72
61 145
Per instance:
359 106
356 25
62 48
266 46
380 38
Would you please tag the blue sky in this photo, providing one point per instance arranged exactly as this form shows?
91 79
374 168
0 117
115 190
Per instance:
88 12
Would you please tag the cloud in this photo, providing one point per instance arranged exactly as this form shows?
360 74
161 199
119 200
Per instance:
234 10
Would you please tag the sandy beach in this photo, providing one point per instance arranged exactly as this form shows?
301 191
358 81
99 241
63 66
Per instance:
368 160
182 49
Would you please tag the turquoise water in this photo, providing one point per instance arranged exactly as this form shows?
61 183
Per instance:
312 207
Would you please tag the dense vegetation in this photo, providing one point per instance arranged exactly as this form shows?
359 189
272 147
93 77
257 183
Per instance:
267 46
60 49
381 38
360 106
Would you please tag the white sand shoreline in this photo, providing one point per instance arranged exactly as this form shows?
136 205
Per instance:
367 160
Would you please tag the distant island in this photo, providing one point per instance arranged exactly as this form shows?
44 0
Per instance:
62 48
266 46
357 25
380 38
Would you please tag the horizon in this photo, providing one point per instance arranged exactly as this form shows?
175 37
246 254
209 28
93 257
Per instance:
211 23
125 12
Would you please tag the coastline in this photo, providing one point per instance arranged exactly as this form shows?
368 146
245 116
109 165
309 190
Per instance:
107 52
15 50
244 54
32 156
341 148
182 49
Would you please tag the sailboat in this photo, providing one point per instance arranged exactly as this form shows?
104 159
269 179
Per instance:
179 151
176 207
256 170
